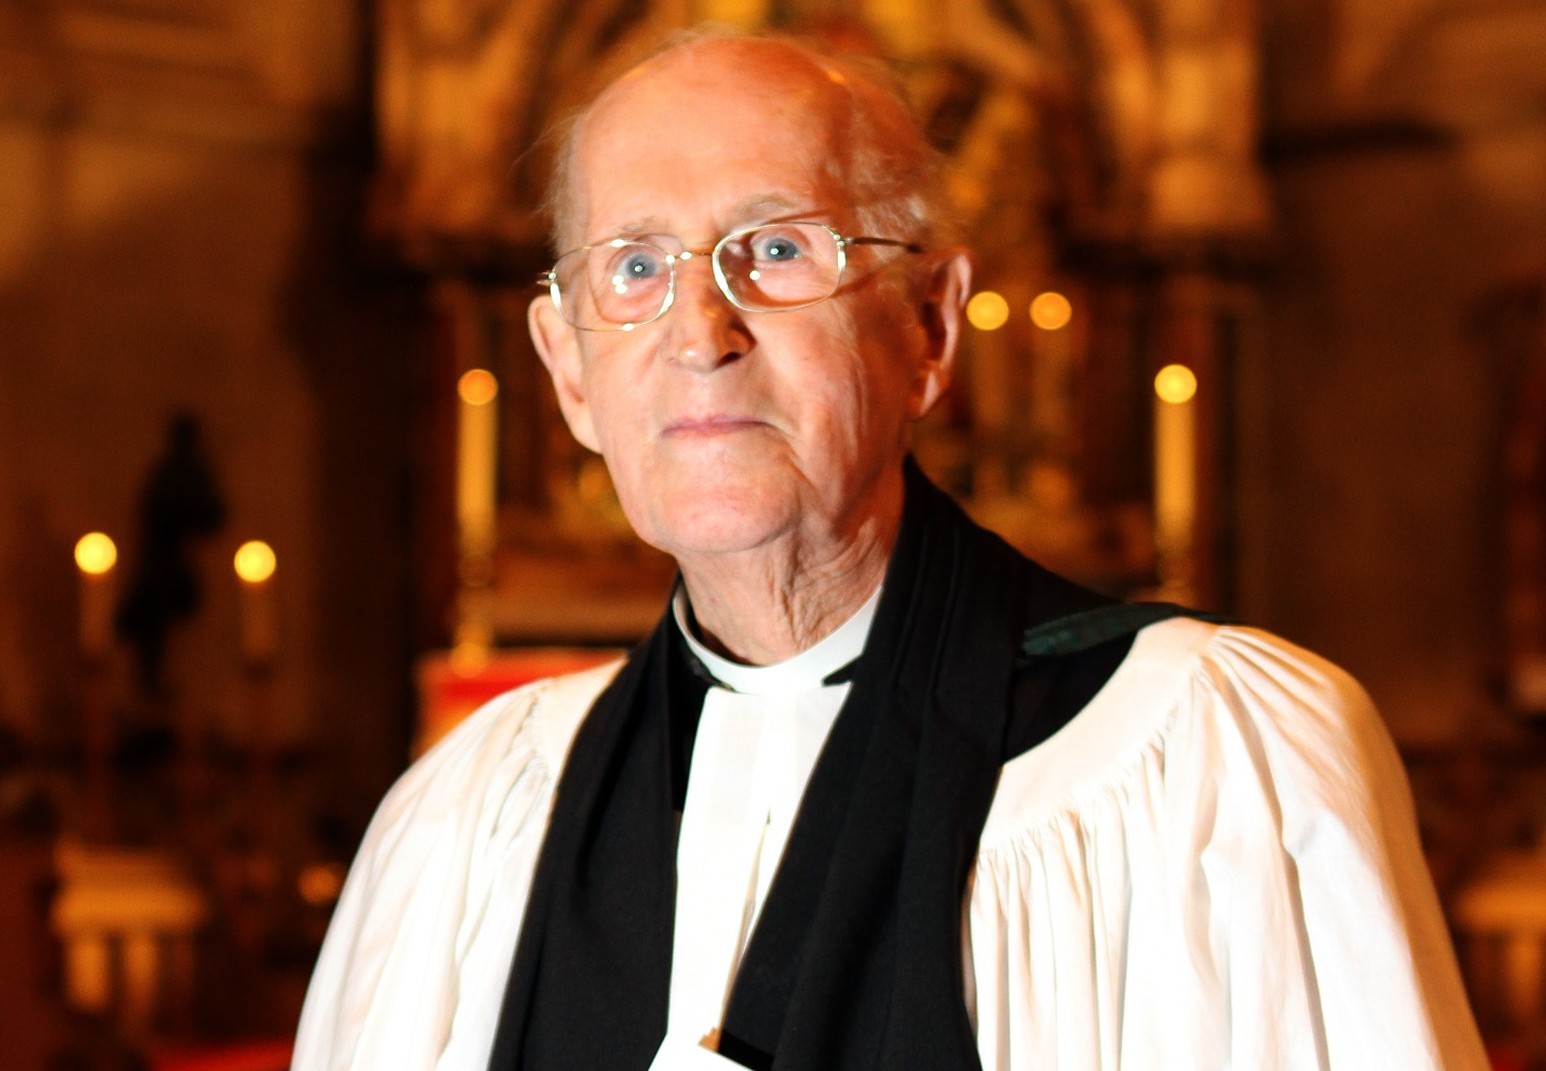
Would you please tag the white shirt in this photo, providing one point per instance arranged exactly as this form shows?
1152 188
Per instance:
1215 864
758 739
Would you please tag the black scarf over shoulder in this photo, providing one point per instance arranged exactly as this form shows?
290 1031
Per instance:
855 962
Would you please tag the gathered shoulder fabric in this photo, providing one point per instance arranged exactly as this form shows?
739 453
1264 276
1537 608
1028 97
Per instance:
1215 864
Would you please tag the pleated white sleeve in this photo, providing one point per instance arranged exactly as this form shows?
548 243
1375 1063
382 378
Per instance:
413 970
1215 865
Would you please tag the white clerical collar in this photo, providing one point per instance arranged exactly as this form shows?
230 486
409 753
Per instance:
803 672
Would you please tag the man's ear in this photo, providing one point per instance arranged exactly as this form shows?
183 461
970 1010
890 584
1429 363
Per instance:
560 352
948 286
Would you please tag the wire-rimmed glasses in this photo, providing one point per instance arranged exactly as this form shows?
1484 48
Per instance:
623 283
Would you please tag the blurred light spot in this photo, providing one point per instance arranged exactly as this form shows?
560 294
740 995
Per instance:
987 310
1175 384
255 561
478 386
95 553
469 658
320 883
1051 311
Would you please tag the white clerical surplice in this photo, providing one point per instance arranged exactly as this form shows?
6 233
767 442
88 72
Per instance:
1214 864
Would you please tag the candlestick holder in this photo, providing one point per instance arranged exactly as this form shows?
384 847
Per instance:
97 743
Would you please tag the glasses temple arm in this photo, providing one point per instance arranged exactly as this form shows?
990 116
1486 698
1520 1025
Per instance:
911 247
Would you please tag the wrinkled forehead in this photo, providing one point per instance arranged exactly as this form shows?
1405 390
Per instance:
707 126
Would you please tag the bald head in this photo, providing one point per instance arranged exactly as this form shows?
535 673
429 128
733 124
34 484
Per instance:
850 112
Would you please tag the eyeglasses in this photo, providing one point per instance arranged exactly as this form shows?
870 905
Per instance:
625 283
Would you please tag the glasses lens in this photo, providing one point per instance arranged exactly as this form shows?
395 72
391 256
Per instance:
613 285
780 265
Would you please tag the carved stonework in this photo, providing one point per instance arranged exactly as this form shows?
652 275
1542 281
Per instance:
216 70
1152 121
1512 326
466 89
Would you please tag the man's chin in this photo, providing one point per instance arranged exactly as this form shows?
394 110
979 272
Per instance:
716 521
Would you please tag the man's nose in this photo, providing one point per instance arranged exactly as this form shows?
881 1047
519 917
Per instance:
707 329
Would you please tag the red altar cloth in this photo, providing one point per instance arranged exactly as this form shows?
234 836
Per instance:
448 693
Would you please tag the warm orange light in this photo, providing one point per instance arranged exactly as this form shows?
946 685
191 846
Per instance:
255 561
320 884
1051 311
1175 384
987 310
469 658
95 553
477 387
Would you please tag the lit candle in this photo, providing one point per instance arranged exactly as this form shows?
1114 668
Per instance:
255 563
1175 464
95 556
1053 373
1051 311
987 310
477 442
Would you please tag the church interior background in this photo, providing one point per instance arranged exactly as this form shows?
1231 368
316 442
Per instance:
1260 327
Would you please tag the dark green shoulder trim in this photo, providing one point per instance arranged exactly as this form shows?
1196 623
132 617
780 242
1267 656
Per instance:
1085 629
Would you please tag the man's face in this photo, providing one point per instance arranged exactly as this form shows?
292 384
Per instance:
725 430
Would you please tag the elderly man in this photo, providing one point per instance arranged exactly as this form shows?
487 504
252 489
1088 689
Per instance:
878 792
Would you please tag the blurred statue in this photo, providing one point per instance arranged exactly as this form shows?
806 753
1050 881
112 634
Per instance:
178 505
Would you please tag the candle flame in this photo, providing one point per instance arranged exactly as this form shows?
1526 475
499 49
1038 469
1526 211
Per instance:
255 561
1176 384
477 387
987 310
1051 311
95 553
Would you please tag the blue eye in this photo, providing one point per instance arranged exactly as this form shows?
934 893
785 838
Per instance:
639 264
632 266
777 247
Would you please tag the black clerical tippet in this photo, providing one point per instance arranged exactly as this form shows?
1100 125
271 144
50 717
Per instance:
975 654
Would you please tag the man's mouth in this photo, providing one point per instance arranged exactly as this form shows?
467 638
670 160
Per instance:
710 425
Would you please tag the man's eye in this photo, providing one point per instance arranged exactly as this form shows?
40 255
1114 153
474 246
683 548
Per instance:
638 265
775 248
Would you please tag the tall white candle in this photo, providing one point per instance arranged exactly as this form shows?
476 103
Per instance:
1052 372
476 460
255 564
95 556
1175 459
